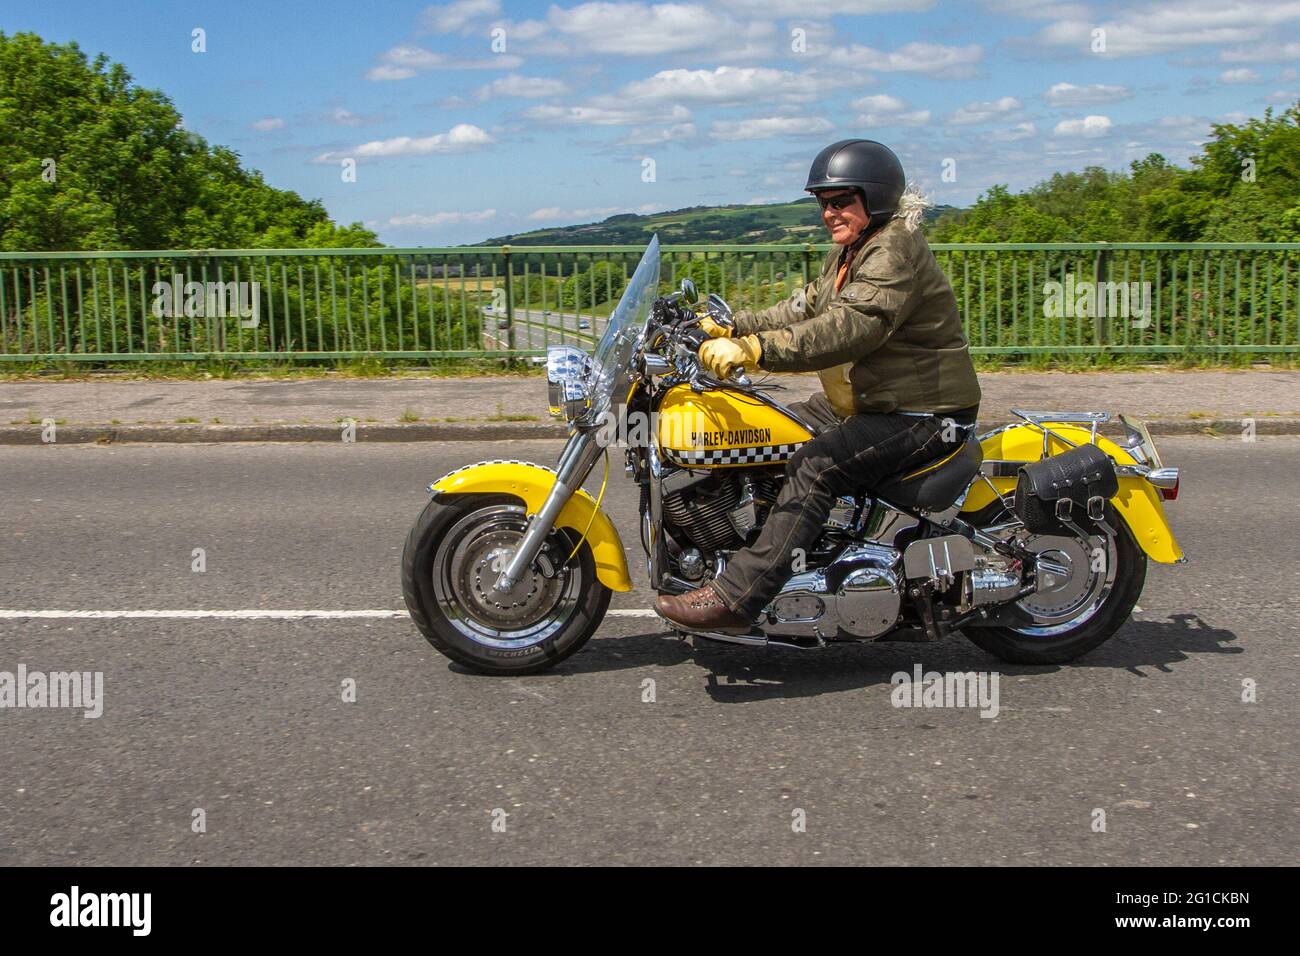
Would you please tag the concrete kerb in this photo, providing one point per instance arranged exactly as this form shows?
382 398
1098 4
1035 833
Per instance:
34 434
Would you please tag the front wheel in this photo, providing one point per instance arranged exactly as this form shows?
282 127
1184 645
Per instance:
1079 610
450 563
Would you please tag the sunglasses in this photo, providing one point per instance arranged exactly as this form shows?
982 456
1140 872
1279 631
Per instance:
838 202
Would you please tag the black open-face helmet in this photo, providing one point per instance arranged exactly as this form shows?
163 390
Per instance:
864 165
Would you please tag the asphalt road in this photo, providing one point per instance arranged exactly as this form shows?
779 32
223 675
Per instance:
245 719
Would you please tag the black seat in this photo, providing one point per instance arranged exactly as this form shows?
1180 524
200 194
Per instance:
937 485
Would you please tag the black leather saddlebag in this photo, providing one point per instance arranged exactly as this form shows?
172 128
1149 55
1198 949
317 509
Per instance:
1062 490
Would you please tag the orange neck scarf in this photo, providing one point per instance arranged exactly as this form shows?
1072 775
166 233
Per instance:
846 260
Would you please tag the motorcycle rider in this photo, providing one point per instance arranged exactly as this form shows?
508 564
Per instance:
880 326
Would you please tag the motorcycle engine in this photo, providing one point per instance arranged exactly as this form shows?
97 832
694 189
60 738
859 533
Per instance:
721 511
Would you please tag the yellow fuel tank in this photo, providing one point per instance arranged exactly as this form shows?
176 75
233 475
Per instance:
722 428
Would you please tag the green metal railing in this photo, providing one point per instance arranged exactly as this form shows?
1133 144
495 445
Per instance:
449 303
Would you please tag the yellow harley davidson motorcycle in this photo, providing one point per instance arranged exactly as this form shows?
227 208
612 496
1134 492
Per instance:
1031 540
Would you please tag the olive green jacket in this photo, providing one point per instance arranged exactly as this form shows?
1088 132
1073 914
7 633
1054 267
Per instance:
890 340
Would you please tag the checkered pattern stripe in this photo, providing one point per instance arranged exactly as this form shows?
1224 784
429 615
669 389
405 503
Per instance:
733 456
493 461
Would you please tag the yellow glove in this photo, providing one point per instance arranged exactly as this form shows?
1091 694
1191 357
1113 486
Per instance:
715 331
723 356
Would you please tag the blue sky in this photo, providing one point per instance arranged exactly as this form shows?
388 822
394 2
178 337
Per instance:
455 140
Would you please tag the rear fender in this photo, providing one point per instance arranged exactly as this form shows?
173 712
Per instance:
1137 501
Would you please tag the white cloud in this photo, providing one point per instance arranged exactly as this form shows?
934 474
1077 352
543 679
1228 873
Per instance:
525 30
386 71
730 84
554 212
606 116
345 117
412 57
1165 26
268 124
1242 75
913 118
1014 133
1088 127
639 29
464 137
593 212
1067 94
982 112
765 127
1168 132
405 61
885 110
451 17
1037 9
1262 53
1183 125
653 137
931 59
418 220
880 103
1283 96
523 87
825 8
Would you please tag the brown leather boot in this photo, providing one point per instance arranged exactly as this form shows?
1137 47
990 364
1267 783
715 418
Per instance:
700 610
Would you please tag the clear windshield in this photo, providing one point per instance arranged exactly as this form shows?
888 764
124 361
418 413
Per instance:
613 355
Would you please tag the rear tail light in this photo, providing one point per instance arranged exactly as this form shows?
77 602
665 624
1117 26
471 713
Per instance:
1166 480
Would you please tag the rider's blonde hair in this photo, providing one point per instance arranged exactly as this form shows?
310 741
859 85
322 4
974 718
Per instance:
912 206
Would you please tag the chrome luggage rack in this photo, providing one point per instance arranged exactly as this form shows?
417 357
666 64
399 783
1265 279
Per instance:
1137 442
1038 420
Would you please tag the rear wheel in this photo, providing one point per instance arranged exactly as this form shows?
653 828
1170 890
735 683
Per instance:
1080 608
452 557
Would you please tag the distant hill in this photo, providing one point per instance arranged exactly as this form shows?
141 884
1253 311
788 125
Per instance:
798 221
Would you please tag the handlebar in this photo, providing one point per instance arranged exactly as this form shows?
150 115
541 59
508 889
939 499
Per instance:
678 328
695 337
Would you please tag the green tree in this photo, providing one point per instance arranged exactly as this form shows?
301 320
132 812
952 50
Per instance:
89 160
1242 186
600 282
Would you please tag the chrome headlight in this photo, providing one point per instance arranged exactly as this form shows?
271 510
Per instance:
568 382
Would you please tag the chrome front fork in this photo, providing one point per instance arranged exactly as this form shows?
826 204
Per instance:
576 462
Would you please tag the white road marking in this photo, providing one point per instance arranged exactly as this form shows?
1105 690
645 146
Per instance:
254 614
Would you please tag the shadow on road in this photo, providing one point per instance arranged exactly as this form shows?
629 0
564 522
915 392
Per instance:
741 674
1159 644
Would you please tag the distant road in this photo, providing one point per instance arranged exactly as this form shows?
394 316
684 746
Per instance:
534 329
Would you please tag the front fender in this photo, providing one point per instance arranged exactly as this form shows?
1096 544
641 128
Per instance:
1137 502
531 484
